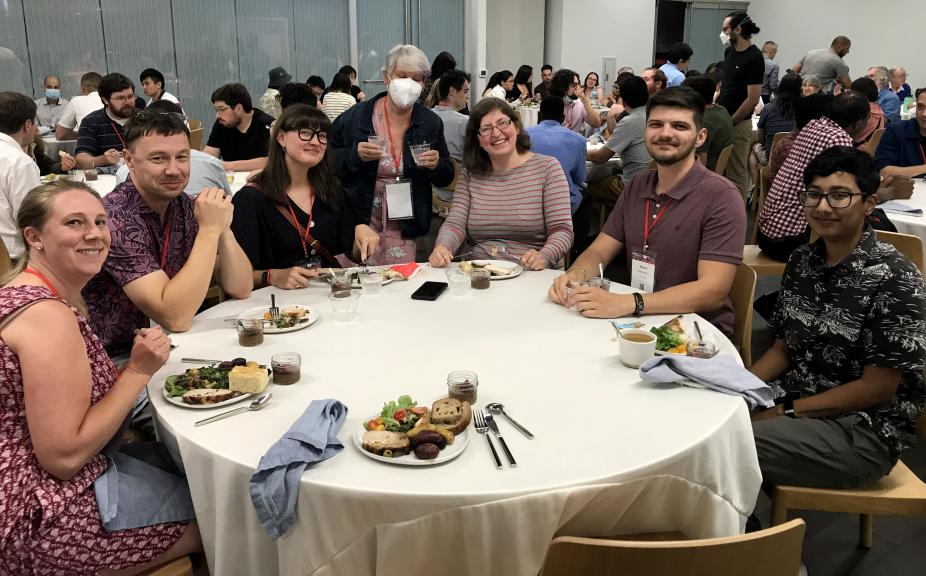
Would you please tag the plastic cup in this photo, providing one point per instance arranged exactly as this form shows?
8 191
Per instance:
286 367
344 305
230 177
458 281
379 142
371 282
598 282
418 150
75 175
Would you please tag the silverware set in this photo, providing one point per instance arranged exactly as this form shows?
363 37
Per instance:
484 422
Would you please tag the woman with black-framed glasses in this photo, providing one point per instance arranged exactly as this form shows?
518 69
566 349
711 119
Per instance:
292 217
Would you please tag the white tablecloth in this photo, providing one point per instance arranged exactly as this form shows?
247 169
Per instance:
52 146
915 225
612 455
528 115
104 183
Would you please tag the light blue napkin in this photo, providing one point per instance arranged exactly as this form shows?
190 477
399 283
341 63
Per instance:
720 373
133 493
274 486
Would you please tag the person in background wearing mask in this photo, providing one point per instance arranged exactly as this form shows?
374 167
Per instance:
52 105
578 106
744 68
388 189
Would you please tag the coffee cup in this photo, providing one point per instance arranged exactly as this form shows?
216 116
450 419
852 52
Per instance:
636 347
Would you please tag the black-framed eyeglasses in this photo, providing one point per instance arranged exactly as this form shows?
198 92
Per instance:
811 198
501 125
306 135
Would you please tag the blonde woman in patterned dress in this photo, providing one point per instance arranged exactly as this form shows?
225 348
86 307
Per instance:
62 401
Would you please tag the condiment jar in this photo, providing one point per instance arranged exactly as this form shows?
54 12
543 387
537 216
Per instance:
462 385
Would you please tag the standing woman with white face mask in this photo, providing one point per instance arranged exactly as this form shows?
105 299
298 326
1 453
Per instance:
371 146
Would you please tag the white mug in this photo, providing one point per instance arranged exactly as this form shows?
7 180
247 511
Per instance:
634 352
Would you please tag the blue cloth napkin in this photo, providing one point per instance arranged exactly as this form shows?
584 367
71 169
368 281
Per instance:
133 493
274 486
720 373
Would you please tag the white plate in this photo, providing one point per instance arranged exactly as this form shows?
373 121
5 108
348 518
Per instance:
358 286
450 452
515 268
175 400
258 313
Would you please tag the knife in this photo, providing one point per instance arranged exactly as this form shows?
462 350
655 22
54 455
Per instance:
494 427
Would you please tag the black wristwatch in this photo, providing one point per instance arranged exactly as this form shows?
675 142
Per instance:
638 304
788 404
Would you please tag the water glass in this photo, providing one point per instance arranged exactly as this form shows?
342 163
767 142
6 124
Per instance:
418 150
599 282
379 142
344 304
458 281
75 175
371 282
230 177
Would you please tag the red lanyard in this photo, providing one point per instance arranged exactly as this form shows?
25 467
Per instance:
46 281
396 157
647 227
303 238
166 241
113 124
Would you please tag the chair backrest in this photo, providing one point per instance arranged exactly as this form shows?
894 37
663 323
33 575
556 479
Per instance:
776 139
907 244
875 140
765 182
742 295
776 551
723 159
194 124
196 139
5 262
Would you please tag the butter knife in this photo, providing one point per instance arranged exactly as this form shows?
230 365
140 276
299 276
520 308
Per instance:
494 428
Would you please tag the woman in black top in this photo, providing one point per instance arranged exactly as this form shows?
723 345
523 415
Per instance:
297 192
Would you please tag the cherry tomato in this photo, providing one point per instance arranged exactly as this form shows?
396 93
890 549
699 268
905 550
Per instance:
419 410
400 415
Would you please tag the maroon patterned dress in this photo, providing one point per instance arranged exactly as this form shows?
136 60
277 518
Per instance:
48 526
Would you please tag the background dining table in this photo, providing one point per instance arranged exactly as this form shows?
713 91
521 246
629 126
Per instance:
611 454
914 224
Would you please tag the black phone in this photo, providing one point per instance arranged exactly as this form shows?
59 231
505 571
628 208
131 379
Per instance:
429 291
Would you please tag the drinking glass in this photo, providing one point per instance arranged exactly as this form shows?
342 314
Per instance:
458 281
344 304
371 282
418 150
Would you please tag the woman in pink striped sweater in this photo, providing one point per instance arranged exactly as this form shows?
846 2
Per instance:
506 196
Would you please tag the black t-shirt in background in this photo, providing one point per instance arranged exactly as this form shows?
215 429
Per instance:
741 69
236 145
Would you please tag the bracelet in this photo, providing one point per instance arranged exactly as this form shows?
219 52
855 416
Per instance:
582 268
265 278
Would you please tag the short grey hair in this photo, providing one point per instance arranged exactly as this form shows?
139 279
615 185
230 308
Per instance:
811 80
882 76
408 57
626 69
897 69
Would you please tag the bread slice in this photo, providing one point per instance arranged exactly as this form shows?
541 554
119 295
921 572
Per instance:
497 270
384 443
207 396
451 414
248 379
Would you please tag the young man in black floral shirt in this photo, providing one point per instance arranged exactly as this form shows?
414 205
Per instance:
847 362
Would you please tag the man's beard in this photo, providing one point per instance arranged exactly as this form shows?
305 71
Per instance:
670 158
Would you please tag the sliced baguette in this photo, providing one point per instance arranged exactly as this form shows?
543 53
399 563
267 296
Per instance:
385 443
207 396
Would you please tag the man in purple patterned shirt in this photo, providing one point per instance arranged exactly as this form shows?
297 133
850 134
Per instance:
165 245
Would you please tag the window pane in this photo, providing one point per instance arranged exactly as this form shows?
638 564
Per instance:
323 41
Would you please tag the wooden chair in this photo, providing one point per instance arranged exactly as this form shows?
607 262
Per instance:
907 244
179 567
723 159
772 552
875 139
900 493
743 294
196 139
5 262
765 182
760 262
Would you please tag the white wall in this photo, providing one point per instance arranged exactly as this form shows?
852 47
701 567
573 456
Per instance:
581 32
514 35
885 33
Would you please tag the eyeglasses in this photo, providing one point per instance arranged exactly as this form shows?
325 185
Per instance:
501 125
222 109
122 98
811 198
306 135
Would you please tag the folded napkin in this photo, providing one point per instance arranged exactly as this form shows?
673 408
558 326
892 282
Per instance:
274 486
720 373
896 207
408 270
140 489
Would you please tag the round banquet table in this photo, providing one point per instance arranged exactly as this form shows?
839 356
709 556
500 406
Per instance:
53 146
612 455
909 223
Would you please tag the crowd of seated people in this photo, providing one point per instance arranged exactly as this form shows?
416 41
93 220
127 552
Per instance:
332 181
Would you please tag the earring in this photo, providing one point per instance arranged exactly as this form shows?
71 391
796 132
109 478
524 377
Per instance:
39 247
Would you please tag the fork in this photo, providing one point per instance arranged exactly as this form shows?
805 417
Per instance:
274 311
479 421
498 250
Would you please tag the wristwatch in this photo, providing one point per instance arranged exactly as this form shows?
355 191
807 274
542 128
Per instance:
788 404
638 304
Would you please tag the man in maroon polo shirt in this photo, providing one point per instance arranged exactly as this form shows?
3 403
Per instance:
681 227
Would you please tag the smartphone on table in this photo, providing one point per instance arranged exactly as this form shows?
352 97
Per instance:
429 291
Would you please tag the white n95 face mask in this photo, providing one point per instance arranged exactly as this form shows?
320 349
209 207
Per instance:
724 39
404 92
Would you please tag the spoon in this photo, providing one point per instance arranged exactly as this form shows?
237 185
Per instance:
255 405
496 408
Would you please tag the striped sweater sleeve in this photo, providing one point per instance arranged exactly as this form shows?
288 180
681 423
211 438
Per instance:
557 215
453 231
